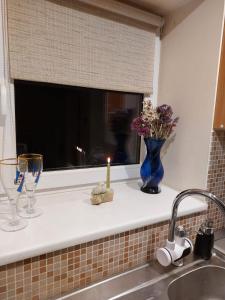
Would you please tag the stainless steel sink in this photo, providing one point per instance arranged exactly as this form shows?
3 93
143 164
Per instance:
203 284
196 280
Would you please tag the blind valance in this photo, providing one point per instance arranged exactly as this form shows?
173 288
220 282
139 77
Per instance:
63 42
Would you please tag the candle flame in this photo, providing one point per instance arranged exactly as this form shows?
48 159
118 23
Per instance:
108 160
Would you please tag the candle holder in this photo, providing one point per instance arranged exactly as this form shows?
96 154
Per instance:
100 194
108 196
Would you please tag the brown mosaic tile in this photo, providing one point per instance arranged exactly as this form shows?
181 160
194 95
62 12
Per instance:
216 176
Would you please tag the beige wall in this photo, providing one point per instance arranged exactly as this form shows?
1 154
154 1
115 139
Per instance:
188 76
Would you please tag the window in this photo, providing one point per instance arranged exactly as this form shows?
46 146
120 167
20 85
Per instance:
134 75
75 127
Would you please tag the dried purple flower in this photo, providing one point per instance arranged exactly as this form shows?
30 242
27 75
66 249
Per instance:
165 113
141 127
157 123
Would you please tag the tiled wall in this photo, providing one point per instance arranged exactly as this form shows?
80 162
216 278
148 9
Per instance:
216 176
50 275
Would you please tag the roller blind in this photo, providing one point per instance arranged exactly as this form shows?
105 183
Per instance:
63 42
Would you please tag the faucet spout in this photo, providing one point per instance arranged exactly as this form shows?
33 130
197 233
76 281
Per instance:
180 197
178 245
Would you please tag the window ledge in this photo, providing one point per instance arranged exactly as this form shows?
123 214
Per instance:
70 219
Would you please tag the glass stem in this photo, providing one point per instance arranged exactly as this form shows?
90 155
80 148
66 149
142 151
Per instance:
30 206
14 218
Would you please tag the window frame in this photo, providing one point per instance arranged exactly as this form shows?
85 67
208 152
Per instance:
64 178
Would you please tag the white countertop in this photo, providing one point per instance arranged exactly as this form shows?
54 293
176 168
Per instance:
70 219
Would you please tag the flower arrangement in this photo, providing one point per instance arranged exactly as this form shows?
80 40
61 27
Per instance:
156 122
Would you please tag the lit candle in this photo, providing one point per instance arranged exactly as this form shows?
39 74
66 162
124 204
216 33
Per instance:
108 174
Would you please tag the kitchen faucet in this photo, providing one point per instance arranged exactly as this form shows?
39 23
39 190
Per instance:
178 245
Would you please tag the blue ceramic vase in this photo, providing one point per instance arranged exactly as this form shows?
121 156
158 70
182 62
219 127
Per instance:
152 169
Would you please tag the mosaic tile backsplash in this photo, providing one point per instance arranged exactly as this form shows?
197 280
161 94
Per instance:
216 176
53 274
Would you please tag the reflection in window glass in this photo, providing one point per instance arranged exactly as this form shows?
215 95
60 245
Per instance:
76 127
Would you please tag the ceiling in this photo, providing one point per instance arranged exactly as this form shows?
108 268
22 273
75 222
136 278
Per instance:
160 7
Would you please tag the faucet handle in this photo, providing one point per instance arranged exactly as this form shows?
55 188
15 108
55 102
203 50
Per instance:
180 231
180 235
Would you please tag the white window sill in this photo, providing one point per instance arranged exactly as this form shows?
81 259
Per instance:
70 219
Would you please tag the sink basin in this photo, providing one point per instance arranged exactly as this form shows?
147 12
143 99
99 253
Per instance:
205 283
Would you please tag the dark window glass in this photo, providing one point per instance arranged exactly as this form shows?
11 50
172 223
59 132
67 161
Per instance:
76 127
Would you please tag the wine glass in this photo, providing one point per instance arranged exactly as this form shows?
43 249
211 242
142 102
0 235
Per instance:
34 170
12 176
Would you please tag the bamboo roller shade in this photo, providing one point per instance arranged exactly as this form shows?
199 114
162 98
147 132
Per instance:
58 41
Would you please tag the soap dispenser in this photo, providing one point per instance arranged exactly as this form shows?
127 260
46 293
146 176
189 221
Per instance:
204 240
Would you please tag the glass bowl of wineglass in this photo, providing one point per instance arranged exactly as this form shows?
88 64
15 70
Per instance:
34 170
